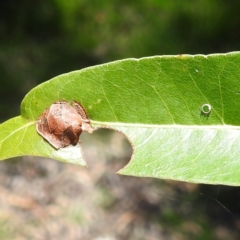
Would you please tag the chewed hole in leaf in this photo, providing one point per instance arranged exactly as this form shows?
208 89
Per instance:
106 150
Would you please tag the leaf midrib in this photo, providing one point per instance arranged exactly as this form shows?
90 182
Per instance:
170 126
18 129
119 124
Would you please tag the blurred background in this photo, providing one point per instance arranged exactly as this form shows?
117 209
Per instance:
45 199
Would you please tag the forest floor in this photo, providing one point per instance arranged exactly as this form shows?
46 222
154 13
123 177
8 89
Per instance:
45 199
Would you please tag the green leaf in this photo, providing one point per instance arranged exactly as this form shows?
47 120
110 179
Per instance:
157 103
18 137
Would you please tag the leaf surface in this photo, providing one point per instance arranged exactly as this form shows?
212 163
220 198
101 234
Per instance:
156 102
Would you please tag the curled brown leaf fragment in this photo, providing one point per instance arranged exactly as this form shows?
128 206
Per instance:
62 123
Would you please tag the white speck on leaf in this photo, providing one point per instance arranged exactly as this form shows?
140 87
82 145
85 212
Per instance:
206 109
